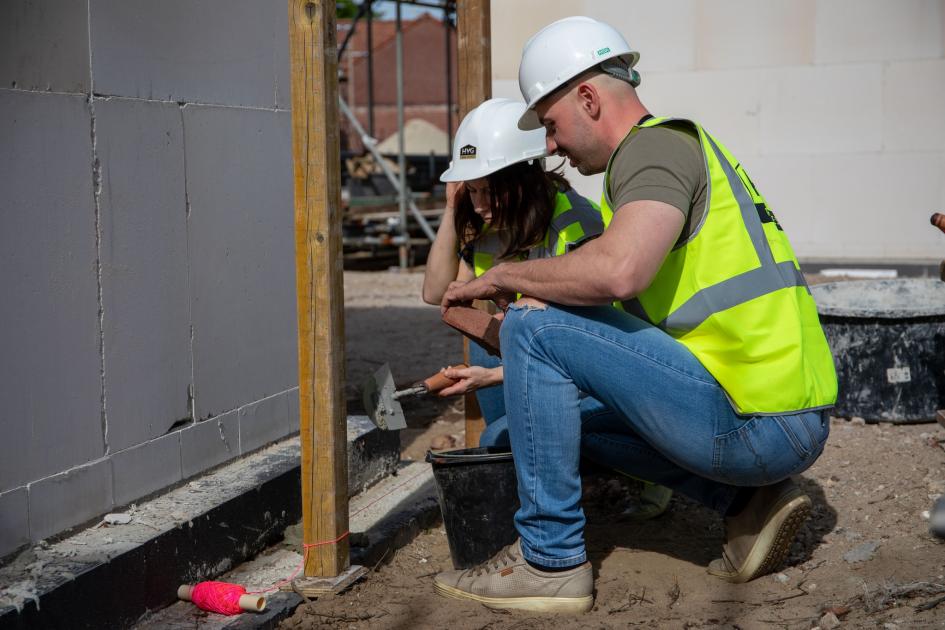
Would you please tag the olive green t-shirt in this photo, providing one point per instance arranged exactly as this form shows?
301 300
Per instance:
663 163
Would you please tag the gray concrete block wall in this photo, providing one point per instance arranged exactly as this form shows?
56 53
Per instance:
146 247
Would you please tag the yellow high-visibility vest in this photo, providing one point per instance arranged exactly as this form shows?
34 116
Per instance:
733 293
574 220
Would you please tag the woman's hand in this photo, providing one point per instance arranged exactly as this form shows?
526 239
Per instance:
453 192
443 266
470 379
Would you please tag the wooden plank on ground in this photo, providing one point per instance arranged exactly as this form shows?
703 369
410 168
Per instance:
318 260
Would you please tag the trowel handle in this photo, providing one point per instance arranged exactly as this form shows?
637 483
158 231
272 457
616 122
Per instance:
440 381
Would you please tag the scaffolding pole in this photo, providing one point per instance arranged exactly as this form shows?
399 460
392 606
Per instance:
404 248
370 144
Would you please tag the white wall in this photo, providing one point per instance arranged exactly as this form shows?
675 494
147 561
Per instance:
835 107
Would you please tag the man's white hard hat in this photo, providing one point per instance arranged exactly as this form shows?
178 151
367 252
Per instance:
489 139
563 50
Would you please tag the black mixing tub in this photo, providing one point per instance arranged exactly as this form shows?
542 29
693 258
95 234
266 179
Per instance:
888 342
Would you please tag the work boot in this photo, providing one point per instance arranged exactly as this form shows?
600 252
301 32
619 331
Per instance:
760 535
507 581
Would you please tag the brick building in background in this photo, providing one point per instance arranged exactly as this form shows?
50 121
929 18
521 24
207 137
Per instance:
425 76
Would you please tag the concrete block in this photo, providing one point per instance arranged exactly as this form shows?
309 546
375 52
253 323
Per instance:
821 110
263 421
372 453
44 45
913 102
864 215
144 268
506 88
509 35
881 30
665 43
904 225
14 520
146 468
732 112
209 443
70 498
242 255
785 181
50 381
209 52
740 33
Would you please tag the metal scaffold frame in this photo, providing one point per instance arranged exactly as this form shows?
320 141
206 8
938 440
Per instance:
405 198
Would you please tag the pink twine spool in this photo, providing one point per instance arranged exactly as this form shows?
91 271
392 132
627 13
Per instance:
218 597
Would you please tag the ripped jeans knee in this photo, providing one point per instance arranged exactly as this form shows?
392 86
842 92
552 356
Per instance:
526 304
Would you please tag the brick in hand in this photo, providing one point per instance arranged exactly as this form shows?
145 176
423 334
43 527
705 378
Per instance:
479 326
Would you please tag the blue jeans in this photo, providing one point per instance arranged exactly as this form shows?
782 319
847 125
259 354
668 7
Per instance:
651 411
491 401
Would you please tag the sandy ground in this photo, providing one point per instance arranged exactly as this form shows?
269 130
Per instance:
865 558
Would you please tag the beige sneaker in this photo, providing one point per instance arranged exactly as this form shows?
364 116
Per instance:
507 581
759 538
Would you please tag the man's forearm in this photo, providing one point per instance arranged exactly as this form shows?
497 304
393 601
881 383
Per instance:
577 279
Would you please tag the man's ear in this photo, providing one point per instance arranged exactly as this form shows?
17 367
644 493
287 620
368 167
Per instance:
588 98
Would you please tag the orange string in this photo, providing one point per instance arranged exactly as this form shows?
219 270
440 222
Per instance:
306 547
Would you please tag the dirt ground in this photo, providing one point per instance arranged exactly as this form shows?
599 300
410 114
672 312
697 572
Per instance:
864 559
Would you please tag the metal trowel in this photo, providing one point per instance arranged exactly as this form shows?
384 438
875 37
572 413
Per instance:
381 398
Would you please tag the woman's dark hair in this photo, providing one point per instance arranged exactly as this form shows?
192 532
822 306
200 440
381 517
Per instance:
522 197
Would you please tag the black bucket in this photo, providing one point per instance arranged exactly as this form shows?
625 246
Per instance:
478 496
888 343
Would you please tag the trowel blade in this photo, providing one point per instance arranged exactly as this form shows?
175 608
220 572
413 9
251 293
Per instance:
379 402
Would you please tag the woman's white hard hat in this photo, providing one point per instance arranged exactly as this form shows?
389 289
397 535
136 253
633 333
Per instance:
489 139
563 50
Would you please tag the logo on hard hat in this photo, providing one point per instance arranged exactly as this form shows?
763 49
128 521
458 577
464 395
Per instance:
467 152
603 51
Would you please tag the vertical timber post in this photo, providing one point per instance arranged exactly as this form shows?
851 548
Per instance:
474 61
318 263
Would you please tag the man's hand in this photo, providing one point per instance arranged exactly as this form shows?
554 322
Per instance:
485 287
470 379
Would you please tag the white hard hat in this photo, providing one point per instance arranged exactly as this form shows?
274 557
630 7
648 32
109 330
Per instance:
563 50
489 139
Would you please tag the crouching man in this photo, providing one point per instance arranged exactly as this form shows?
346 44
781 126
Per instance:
713 379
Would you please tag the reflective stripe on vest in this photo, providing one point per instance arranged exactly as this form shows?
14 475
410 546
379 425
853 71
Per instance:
575 219
746 286
733 294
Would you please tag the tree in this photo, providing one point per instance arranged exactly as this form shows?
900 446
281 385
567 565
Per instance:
347 9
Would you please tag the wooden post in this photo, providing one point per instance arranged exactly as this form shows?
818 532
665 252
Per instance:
318 264
474 64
